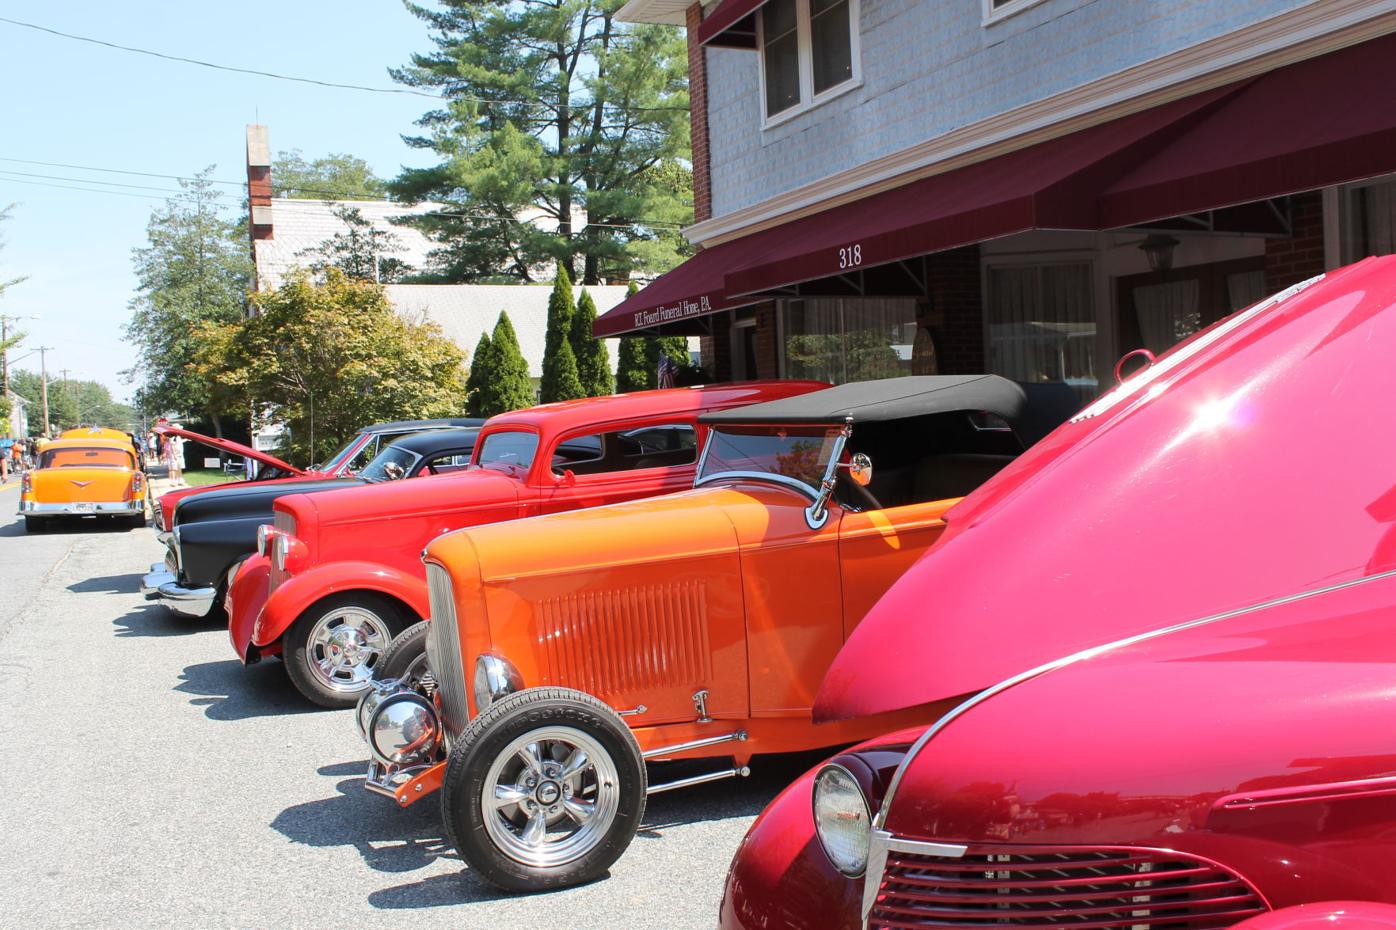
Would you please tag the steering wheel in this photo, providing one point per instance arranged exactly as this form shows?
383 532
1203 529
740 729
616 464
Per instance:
857 492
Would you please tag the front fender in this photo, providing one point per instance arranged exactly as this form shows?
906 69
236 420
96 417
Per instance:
294 595
1326 915
247 593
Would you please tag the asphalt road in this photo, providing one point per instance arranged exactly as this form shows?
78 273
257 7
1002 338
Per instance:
149 780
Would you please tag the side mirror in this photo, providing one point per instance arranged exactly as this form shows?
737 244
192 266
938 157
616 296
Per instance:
393 470
568 479
859 469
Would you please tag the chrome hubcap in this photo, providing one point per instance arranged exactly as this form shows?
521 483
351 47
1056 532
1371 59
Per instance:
344 646
550 797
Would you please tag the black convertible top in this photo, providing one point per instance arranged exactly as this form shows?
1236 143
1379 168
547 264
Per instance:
1033 410
436 440
406 426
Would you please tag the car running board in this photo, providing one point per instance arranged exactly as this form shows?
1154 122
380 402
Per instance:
739 771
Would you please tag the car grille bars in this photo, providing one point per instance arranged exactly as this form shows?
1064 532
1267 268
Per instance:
1057 888
443 651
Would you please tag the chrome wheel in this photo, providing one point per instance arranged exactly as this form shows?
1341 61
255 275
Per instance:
550 797
343 647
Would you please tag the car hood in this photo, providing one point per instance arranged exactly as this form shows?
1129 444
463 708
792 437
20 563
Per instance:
412 496
234 448
1247 463
1230 726
672 526
240 500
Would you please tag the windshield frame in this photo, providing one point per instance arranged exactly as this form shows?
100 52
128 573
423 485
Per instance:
810 491
407 469
342 456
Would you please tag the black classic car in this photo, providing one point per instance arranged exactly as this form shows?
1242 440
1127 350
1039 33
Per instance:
211 532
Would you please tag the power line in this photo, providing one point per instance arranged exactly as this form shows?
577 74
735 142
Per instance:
85 190
303 80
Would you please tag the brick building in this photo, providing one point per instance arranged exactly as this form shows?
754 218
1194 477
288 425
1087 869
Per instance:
1030 187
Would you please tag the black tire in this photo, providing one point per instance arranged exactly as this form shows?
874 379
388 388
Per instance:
489 736
405 656
34 524
297 649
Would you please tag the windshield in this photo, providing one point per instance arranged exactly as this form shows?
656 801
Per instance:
342 454
511 451
84 458
798 452
389 465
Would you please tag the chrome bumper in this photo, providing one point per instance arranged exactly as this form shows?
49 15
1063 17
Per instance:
386 779
158 575
82 508
191 602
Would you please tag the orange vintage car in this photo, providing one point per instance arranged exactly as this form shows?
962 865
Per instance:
84 477
567 651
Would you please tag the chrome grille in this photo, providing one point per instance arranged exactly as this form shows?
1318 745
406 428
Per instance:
443 650
1058 888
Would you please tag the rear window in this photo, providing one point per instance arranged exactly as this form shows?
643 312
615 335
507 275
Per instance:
85 458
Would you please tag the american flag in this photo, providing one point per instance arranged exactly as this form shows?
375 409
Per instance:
668 372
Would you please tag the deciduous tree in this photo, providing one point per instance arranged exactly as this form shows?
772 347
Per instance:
336 176
328 358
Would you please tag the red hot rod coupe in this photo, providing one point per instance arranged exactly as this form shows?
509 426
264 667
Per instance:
1215 538
340 574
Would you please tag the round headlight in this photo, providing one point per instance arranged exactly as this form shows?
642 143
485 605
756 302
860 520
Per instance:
842 820
280 548
403 729
377 693
263 534
495 678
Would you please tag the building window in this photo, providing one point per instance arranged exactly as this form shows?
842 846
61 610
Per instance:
836 340
997 10
809 52
1041 324
1369 220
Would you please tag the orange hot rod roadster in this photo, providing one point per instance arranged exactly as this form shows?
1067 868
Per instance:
84 477
567 650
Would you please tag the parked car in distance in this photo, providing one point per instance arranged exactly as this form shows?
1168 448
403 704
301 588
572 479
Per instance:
1190 725
213 532
84 477
361 448
347 573
565 652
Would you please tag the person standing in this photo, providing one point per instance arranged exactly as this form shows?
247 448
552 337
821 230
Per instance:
175 460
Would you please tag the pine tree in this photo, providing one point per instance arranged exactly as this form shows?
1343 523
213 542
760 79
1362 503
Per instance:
509 388
593 364
481 371
558 382
630 357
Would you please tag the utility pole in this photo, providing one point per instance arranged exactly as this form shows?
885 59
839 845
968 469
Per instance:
43 383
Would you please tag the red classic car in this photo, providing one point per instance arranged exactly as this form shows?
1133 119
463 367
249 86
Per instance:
341 572
1212 546
356 453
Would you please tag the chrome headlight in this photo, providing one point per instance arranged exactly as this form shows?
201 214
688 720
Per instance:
495 678
264 533
842 820
280 548
403 729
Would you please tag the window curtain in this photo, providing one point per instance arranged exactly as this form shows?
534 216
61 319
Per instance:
1167 313
854 339
1042 324
1244 289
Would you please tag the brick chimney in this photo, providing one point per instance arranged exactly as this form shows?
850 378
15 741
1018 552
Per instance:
259 182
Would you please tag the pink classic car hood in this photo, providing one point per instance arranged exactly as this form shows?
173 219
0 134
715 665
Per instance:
235 448
1254 461
1187 740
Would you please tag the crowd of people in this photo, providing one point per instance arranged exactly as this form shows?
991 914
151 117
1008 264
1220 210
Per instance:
19 455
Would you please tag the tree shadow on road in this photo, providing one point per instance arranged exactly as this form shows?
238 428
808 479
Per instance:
231 691
108 584
152 619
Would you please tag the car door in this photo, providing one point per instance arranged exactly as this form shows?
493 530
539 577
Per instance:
619 462
877 546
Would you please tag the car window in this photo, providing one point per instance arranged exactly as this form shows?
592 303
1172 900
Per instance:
508 451
85 458
660 446
341 455
389 465
798 452
363 457
446 462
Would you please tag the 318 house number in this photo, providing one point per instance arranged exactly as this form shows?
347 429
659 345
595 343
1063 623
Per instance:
851 256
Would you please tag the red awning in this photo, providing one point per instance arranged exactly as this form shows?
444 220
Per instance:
1052 185
690 290
1313 124
717 27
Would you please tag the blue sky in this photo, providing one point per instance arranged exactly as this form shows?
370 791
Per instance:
81 104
